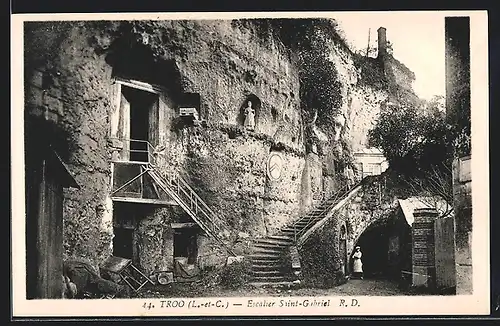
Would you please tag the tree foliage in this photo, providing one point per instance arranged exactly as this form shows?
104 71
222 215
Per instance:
414 140
417 142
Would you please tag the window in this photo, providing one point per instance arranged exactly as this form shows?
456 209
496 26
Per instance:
374 168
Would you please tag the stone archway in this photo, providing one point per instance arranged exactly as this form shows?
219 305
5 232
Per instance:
373 239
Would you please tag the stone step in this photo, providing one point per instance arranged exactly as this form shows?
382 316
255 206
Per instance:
259 264
272 284
270 244
268 279
311 221
268 250
266 267
263 257
280 237
315 215
302 225
288 229
267 273
278 242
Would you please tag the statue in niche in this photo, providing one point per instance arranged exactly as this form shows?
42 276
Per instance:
249 117
339 123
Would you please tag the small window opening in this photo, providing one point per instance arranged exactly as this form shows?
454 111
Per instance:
189 107
185 244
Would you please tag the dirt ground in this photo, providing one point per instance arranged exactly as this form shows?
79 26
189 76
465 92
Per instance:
366 287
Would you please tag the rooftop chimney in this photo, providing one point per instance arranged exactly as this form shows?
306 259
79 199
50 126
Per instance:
382 41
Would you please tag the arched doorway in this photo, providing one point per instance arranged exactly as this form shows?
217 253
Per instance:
343 249
374 244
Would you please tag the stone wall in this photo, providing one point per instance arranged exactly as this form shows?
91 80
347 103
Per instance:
361 102
224 65
68 80
462 205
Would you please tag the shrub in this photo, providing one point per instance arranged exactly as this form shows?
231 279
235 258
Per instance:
235 275
285 260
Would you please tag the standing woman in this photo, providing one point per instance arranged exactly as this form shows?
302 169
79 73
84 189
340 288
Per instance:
358 264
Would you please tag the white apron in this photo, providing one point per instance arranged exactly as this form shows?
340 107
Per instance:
358 265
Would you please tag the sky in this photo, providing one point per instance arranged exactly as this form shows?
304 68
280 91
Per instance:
417 38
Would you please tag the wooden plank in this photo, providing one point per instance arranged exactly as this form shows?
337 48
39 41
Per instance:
140 85
55 242
145 201
183 225
129 162
116 264
42 238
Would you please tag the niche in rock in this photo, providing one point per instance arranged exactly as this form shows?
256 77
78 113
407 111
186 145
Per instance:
189 107
138 62
249 112
274 113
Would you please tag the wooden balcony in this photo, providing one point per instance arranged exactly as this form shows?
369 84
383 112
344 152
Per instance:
132 183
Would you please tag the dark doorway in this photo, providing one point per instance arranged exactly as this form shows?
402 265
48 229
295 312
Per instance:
374 246
123 243
185 244
142 107
124 222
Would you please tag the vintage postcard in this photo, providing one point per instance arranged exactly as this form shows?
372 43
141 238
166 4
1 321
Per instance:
250 164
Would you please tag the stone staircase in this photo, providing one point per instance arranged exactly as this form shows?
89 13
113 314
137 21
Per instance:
267 252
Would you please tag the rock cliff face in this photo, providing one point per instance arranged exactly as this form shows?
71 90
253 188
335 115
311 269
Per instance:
361 98
70 79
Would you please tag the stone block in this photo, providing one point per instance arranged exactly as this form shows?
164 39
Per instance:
51 116
233 259
55 92
36 111
37 78
34 96
53 104
465 169
116 143
243 235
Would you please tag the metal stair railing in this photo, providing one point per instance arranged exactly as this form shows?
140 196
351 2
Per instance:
341 193
195 201
188 199
178 189
198 215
